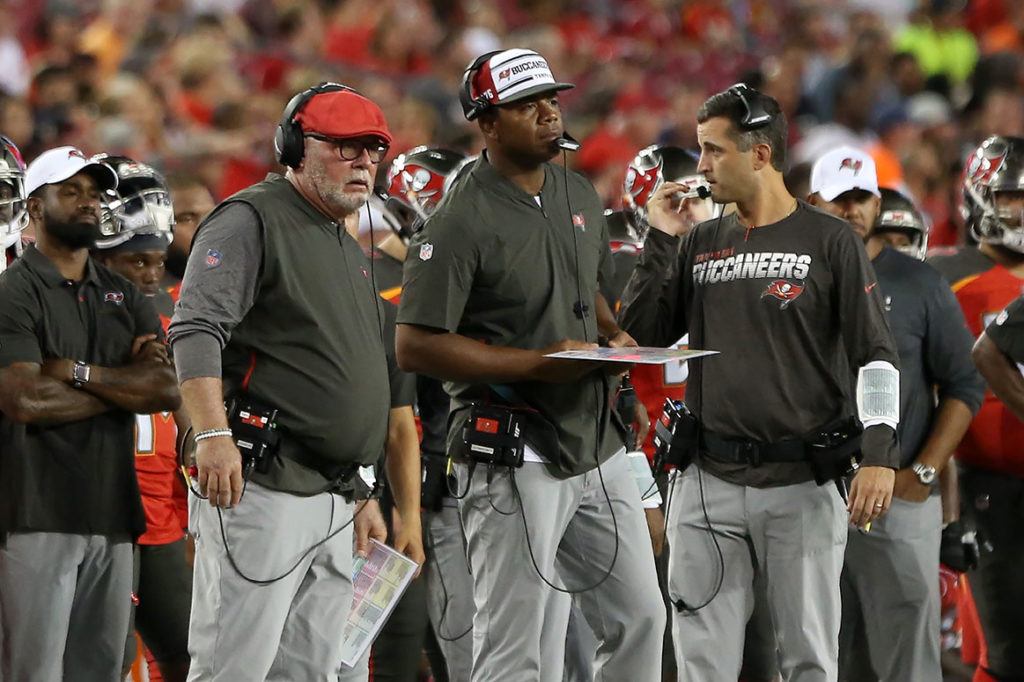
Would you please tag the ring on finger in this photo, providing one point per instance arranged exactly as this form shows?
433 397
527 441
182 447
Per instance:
879 505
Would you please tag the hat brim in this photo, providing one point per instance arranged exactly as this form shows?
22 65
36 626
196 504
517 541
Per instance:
535 90
830 193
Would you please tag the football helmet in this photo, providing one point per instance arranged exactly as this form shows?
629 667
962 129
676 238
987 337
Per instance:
897 213
417 180
994 167
622 235
141 204
653 166
13 202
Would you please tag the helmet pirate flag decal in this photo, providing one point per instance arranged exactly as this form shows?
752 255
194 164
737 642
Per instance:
640 183
418 185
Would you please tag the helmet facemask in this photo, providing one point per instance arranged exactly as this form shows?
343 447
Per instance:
139 205
13 199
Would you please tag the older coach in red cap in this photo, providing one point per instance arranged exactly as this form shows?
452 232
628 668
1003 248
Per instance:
278 320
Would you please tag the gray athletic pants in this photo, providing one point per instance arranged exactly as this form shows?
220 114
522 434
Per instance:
793 535
449 589
451 609
570 526
64 603
890 583
285 631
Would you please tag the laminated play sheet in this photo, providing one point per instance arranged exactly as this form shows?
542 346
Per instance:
379 581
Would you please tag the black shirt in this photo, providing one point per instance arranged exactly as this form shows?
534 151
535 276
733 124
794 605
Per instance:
793 308
76 477
934 344
1007 331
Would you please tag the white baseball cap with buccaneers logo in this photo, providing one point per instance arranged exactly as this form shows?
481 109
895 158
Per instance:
509 76
60 163
841 170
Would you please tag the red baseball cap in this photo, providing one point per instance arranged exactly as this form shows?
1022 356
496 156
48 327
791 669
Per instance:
342 114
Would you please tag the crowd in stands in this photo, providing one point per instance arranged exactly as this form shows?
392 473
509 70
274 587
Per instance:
200 84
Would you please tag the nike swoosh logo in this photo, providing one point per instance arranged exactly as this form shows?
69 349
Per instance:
869 287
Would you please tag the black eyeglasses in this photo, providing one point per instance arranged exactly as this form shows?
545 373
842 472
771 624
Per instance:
756 115
352 148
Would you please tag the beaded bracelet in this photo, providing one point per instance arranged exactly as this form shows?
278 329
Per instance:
211 433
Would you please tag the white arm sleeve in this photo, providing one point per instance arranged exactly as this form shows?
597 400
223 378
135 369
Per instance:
878 394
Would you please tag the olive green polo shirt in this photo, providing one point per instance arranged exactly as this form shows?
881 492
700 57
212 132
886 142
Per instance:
76 477
502 267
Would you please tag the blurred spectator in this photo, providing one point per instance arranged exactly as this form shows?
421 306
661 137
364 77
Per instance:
14 73
1008 35
112 35
941 44
189 83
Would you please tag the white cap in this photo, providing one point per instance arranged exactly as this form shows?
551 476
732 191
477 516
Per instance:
508 76
841 170
60 163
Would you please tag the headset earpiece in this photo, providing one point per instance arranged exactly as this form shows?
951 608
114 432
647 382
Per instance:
288 145
472 107
756 115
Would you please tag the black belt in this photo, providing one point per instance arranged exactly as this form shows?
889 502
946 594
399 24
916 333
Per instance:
752 452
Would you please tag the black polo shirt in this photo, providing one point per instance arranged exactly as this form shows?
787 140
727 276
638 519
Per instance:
76 477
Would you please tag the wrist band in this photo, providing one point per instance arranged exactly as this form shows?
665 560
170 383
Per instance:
211 433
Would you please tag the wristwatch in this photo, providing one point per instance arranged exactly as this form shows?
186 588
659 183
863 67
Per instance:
80 374
925 473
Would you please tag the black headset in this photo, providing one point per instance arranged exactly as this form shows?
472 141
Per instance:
474 106
756 115
288 145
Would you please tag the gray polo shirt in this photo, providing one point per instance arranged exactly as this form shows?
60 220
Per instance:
75 477
281 296
505 268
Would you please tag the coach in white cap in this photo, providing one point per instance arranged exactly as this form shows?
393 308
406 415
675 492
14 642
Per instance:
890 595
845 184
82 351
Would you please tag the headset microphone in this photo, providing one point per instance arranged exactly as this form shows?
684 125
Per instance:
567 142
703 192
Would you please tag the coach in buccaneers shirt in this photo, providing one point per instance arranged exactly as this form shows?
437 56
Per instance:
788 296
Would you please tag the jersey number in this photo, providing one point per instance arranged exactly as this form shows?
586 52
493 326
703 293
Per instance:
145 434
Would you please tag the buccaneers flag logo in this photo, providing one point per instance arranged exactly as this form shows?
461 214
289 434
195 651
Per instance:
784 291
852 164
